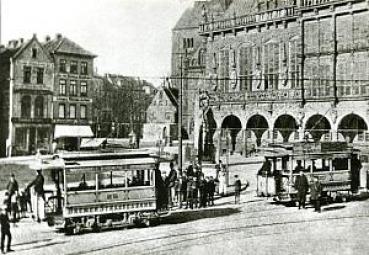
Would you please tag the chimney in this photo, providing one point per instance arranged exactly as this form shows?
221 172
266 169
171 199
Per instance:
59 36
14 44
47 38
21 41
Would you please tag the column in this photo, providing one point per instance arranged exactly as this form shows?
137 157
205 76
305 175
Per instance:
217 144
244 141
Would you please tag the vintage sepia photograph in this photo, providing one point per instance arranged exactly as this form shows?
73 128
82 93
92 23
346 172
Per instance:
184 127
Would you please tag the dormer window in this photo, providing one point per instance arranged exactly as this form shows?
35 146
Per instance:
34 53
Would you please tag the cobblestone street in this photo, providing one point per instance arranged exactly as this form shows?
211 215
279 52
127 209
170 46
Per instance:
256 226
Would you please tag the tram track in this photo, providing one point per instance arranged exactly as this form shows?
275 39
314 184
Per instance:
197 235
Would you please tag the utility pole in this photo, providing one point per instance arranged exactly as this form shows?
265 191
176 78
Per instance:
180 117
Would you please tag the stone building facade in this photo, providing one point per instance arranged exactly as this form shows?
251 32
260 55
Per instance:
161 118
26 85
283 71
72 99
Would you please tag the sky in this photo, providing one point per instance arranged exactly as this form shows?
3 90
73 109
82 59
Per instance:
130 37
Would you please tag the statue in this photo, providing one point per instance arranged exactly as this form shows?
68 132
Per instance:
257 78
204 105
233 79
284 75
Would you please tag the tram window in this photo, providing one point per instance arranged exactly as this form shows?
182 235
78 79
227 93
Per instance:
77 181
340 164
112 179
138 178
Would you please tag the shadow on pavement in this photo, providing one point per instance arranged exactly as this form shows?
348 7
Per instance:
333 208
192 215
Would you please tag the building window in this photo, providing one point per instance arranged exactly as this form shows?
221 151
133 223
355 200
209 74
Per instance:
26 107
187 43
62 111
74 67
224 70
246 71
72 88
34 53
39 107
27 74
83 111
62 66
271 66
40 75
83 88
84 68
62 87
72 111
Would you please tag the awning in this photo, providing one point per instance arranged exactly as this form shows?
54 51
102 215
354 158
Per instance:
72 131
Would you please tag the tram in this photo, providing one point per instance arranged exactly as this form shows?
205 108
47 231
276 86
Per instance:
334 163
93 192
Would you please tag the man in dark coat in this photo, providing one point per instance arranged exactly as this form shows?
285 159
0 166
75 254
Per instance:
13 190
237 190
38 196
202 191
189 198
211 190
302 186
316 193
160 191
5 231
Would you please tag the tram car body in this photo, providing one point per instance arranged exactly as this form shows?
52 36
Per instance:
335 165
102 191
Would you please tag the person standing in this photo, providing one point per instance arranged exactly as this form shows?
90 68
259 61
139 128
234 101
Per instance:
211 190
5 231
38 196
316 193
202 192
189 198
170 184
302 186
237 190
13 190
159 189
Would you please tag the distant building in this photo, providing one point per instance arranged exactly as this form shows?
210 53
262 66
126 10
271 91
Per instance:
161 117
276 71
26 94
120 104
72 102
189 53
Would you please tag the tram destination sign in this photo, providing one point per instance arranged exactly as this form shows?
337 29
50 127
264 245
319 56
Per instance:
320 147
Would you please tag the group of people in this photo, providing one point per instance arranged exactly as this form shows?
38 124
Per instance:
16 203
189 188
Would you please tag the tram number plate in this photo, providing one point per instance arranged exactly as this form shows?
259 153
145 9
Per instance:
112 196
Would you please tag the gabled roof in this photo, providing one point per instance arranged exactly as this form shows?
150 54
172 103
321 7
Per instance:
10 52
172 94
192 16
241 8
63 45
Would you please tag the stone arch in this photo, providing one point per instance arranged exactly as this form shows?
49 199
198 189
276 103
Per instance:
317 125
352 125
231 126
258 124
286 125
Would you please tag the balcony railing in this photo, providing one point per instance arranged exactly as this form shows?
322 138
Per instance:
251 19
